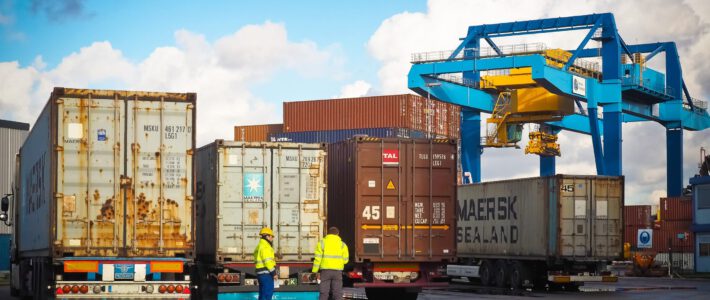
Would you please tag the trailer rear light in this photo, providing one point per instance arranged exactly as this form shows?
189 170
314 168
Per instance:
148 289
97 289
355 275
66 289
179 289
186 290
60 291
171 288
84 289
162 289
220 277
228 278
74 289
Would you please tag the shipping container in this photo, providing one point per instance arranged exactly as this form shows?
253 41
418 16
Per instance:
677 209
256 133
12 135
104 176
392 111
247 186
541 224
393 201
637 215
333 136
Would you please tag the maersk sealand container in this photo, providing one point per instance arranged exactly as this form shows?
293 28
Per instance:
245 186
105 196
560 229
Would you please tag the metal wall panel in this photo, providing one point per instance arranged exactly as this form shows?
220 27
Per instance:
247 186
10 141
677 208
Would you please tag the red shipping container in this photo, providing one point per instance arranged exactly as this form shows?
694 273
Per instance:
661 238
393 111
637 215
676 209
256 133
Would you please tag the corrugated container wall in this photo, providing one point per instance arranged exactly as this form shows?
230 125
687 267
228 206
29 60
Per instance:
332 136
564 216
12 135
256 133
246 186
637 215
393 199
392 111
108 173
677 209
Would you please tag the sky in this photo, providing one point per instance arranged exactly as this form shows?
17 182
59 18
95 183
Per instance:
244 58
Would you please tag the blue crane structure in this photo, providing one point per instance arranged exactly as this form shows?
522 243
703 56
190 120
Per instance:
626 92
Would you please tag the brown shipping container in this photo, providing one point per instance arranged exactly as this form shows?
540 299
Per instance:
256 133
667 229
677 209
392 111
637 215
393 199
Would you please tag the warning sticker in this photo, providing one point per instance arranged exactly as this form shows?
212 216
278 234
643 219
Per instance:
390 185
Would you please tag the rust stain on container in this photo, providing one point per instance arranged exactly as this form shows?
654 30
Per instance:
394 199
392 111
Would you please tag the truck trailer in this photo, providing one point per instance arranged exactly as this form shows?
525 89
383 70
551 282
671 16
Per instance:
245 186
393 201
557 231
103 204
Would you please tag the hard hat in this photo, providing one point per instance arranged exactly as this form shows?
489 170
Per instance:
266 230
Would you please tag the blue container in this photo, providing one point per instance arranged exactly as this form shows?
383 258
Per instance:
332 136
5 252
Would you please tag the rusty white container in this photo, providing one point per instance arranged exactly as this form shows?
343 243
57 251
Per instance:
108 173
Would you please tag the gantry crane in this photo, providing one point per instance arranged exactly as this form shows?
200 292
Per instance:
491 80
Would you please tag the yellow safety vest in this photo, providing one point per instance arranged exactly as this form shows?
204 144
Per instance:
331 254
264 259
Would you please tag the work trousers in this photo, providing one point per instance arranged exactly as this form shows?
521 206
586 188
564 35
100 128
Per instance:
331 281
266 286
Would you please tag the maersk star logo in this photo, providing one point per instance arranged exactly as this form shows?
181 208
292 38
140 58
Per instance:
253 187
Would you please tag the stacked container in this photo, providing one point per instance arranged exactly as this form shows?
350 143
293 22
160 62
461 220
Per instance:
256 133
636 217
411 112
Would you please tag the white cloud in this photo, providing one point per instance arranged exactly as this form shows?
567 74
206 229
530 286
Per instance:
644 157
358 88
221 73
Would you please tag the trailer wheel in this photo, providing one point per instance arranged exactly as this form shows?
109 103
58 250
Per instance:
502 274
486 273
519 275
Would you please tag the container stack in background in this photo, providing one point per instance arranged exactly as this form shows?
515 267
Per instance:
672 234
333 120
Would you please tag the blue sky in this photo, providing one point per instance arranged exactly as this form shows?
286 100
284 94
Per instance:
243 58
136 28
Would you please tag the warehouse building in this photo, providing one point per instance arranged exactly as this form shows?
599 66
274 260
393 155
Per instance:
12 135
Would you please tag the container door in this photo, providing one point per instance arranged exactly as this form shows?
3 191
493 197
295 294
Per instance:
575 235
298 203
430 214
381 206
244 190
159 198
607 222
89 166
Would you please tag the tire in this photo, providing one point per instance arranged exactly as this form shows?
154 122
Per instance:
207 285
486 273
502 274
520 276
